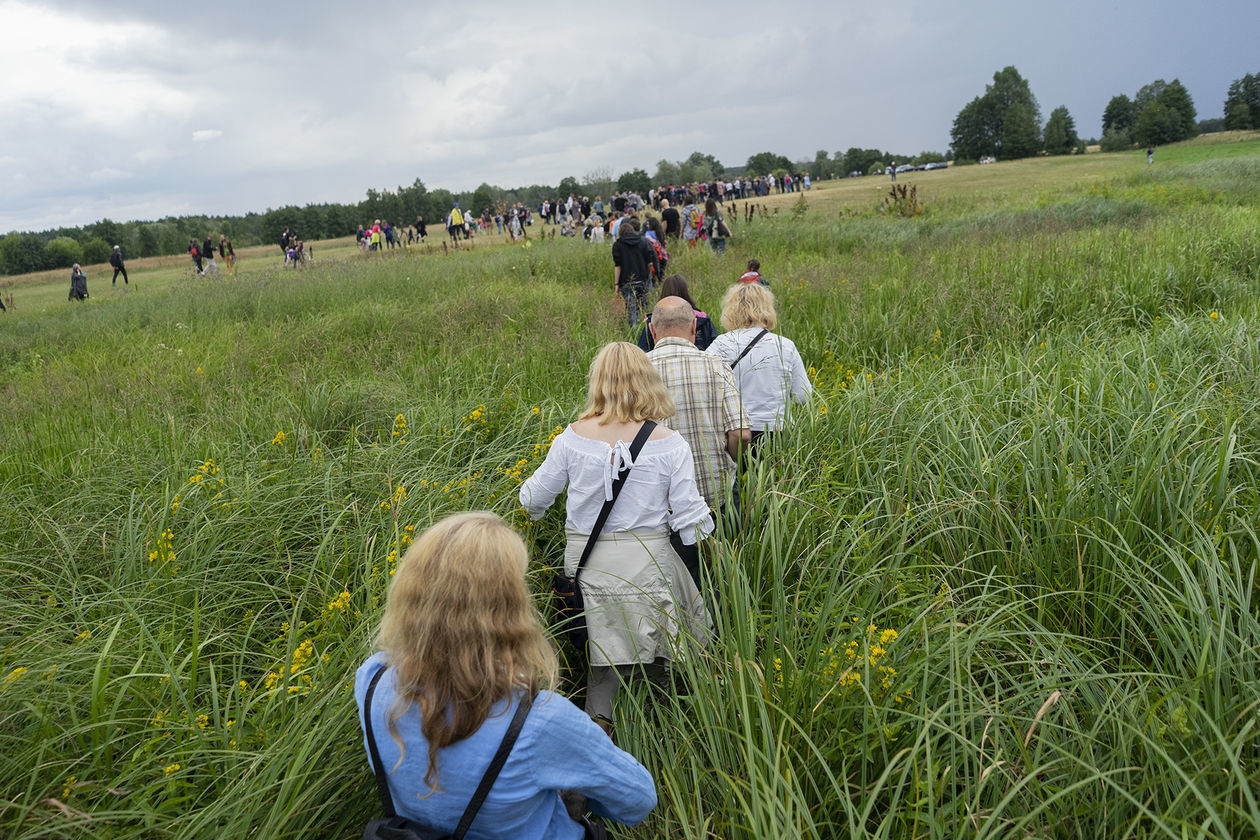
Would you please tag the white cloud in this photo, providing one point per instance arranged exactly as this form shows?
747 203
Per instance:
202 135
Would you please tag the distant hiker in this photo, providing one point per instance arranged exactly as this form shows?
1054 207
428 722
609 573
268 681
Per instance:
753 274
116 260
227 254
78 284
421 231
892 170
195 253
634 264
455 224
671 220
715 227
691 220
284 241
1150 154
207 251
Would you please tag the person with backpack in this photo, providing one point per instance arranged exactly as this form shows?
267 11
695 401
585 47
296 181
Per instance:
195 253
691 219
78 284
116 260
715 227
634 261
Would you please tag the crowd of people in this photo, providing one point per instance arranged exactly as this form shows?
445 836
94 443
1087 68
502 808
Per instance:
203 255
648 470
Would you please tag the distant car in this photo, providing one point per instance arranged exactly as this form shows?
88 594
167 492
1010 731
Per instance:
937 165
856 174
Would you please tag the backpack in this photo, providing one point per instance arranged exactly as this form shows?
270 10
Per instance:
694 218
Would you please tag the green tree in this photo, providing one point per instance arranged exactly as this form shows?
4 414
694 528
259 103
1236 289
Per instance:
636 180
699 159
981 129
1177 99
62 252
96 251
21 253
764 163
568 186
860 160
1060 135
1242 103
1021 136
147 241
667 172
1156 125
1119 115
483 198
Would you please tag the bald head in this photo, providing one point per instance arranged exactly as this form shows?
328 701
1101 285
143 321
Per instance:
673 317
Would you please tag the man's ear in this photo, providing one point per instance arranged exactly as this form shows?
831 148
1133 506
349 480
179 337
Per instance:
652 331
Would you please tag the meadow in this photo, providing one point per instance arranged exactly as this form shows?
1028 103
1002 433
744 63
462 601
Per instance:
1000 580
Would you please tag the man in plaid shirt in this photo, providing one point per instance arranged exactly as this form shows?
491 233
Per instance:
710 416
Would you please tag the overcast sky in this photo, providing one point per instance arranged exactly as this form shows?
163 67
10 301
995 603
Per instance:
138 109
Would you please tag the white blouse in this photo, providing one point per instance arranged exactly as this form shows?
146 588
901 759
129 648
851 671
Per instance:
770 375
660 490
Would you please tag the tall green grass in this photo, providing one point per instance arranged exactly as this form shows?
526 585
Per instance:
998 578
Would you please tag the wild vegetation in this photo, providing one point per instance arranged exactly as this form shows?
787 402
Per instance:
999 578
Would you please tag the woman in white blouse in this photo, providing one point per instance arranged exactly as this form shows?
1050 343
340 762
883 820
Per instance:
770 373
640 601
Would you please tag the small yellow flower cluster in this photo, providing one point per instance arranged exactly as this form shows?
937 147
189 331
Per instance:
478 415
12 677
340 603
301 656
84 636
205 472
396 499
70 784
1215 315
175 504
846 669
171 768
408 534
279 439
203 721
164 549
400 428
516 472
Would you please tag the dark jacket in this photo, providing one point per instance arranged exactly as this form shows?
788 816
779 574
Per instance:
705 332
636 257
116 260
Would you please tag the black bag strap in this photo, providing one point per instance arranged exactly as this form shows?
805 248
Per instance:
487 780
750 346
645 431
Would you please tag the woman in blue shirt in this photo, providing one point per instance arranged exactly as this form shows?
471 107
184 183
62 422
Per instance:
462 643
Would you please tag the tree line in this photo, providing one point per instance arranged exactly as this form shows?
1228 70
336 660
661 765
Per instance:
1004 122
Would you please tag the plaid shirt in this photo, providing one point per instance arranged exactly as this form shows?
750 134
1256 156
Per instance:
708 403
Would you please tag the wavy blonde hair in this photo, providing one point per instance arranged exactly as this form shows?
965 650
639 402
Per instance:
748 305
623 387
461 629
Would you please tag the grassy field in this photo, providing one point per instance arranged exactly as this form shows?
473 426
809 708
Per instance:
1000 579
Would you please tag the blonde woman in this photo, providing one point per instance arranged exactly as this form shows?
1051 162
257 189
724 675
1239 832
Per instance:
461 645
767 367
640 601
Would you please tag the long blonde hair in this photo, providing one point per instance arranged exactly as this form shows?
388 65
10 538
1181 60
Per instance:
748 305
623 387
461 629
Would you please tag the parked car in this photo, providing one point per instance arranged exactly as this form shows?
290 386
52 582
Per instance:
937 165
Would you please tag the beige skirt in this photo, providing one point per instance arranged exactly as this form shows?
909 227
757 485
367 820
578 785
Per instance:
641 603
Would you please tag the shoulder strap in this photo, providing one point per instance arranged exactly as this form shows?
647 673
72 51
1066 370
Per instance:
496 764
645 431
382 788
487 780
750 346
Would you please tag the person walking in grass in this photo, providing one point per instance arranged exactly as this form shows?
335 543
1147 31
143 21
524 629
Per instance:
715 227
634 265
116 260
462 654
641 603
710 415
767 367
228 254
195 252
207 249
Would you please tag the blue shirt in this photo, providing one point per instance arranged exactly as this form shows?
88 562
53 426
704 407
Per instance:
559 748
